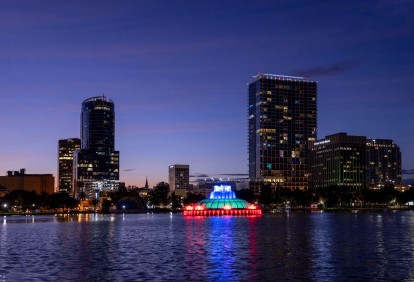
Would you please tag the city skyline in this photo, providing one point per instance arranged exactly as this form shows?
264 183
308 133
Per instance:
178 74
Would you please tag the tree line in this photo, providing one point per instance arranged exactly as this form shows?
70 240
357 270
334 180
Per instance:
21 200
160 196
334 197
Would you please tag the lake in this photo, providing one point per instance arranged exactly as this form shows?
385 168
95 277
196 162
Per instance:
337 246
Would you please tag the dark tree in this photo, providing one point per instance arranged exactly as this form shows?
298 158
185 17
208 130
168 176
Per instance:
159 194
192 198
282 195
23 200
266 195
301 198
175 201
405 197
106 204
246 194
61 200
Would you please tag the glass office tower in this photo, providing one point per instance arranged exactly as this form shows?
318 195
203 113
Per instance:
66 148
96 165
282 120
98 124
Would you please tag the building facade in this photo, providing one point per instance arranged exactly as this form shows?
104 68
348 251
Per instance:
96 164
179 178
338 160
282 119
66 148
98 124
354 162
384 162
19 180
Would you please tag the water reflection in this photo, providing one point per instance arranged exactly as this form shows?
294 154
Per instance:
27 219
220 248
410 234
323 248
170 247
195 248
221 252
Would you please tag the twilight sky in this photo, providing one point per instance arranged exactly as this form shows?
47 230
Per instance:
178 73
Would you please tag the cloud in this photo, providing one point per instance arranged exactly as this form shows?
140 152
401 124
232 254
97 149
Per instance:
198 180
408 171
333 69
129 169
200 175
216 175
234 174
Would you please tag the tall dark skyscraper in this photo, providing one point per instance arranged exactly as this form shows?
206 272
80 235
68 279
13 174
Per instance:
96 165
282 120
66 148
384 162
98 124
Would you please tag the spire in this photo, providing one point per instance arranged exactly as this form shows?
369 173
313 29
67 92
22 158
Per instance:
146 182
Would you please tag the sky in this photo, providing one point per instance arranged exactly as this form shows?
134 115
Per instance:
178 71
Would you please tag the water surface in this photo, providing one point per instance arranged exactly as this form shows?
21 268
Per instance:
365 246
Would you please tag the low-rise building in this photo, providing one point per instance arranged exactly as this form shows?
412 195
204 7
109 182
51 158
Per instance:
354 162
19 180
338 159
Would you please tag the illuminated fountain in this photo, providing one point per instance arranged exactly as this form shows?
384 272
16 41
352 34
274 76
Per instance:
222 201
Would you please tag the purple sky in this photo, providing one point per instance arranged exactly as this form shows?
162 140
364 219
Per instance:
178 73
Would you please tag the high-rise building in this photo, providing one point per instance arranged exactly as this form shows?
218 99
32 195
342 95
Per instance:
338 160
98 125
384 162
66 148
96 164
282 120
179 178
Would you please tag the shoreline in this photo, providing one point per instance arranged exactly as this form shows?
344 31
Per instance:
266 211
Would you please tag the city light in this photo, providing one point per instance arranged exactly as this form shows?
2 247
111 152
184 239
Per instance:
222 201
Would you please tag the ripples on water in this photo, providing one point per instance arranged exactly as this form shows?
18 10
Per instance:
170 247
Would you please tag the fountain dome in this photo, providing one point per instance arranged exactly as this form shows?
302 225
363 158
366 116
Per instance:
222 201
